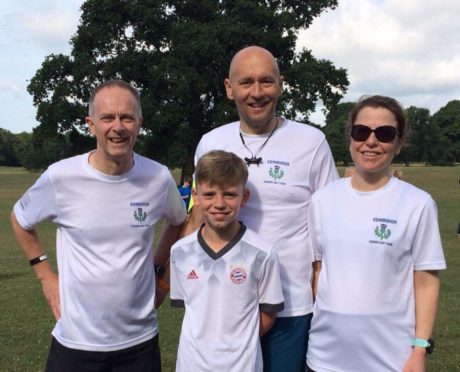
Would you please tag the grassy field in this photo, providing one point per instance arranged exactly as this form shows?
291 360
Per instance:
26 322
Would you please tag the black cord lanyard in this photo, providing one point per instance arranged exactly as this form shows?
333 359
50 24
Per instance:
254 159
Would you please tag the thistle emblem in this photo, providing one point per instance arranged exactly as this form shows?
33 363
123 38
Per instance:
140 215
276 173
382 232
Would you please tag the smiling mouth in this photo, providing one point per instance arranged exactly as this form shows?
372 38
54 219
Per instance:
118 140
258 105
370 153
219 214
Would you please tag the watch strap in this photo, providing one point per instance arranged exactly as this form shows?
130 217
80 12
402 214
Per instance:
428 345
38 259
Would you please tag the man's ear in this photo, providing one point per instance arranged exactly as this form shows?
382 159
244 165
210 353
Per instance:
90 124
141 121
228 88
281 83
245 198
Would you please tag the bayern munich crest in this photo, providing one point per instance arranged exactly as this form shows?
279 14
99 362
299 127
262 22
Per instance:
238 275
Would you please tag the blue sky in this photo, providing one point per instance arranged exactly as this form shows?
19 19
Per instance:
406 49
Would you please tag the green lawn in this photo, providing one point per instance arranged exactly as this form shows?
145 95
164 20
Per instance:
26 322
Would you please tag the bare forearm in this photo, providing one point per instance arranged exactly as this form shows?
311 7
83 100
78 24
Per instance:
426 286
30 244
266 322
169 236
194 221
316 272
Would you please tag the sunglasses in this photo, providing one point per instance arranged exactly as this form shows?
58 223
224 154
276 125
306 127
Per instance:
384 133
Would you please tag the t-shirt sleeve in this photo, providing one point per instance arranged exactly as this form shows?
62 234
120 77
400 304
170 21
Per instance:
37 204
323 170
271 298
174 208
427 250
176 293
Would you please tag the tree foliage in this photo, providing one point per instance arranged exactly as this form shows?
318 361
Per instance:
8 145
177 53
335 131
448 121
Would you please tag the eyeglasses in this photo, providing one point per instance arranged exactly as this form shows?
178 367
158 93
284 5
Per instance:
384 133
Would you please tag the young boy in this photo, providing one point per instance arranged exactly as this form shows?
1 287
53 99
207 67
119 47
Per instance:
225 276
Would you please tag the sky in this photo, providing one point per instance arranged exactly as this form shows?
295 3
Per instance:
408 49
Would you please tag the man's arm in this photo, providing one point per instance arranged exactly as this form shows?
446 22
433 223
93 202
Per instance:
194 221
316 271
266 322
30 244
426 287
170 234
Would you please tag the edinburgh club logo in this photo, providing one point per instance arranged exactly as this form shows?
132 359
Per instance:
140 215
382 232
238 275
276 172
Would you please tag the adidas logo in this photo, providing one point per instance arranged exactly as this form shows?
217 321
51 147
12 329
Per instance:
192 275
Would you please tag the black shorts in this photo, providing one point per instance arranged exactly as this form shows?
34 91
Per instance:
144 357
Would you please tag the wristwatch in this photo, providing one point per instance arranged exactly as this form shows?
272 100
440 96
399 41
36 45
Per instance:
428 345
159 270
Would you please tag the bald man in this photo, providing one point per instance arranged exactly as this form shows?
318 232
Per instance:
287 163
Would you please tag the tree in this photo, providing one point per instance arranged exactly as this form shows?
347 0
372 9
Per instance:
448 120
177 53
418 140
335 132
425 142
8 155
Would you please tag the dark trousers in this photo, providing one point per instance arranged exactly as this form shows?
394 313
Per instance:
144 357
284 347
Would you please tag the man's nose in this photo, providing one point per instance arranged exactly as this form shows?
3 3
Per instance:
117 123
256 90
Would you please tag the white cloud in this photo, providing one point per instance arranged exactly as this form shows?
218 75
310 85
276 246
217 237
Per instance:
406 49
29 31
50 29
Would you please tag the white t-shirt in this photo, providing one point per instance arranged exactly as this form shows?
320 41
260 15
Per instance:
369 243
296 161
105 229
222 294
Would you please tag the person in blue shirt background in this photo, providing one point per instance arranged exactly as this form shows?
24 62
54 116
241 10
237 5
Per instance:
186 190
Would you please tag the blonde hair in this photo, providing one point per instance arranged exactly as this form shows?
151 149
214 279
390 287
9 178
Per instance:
221 168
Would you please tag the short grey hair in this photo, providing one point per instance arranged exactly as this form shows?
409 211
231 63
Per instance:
110 84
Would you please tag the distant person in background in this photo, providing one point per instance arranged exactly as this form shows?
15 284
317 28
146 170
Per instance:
186 191
105 204
377 244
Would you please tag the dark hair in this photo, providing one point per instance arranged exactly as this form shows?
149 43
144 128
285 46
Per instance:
115 83
385 102
221 168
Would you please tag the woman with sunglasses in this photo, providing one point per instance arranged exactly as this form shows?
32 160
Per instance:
378 251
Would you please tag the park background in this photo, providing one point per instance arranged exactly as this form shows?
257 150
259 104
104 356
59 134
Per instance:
177 53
